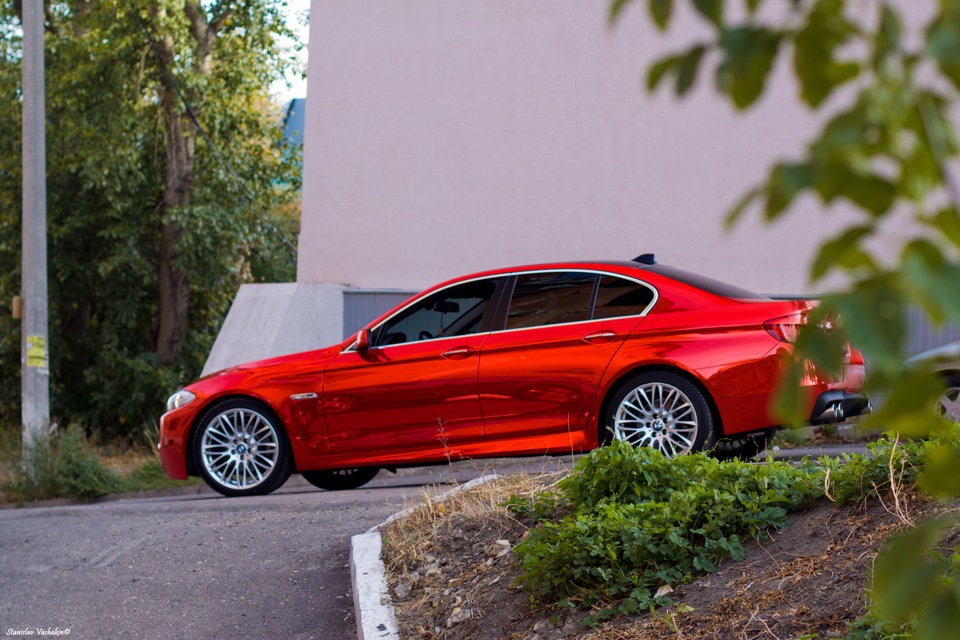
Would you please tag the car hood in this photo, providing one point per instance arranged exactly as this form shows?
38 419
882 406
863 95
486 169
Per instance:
278 361
947 356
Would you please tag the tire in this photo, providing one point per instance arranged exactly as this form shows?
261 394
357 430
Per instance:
241 449
948 405
662 410
340 479
741 448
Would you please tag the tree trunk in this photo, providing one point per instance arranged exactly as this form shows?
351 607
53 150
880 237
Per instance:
173 312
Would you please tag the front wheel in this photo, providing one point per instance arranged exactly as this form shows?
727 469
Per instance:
340 479
240 449
662 410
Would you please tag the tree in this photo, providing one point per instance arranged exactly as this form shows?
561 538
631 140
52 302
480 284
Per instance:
152 224
891 147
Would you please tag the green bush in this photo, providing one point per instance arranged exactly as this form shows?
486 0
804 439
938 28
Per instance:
854 478
63 465
79 472
629 520
637 520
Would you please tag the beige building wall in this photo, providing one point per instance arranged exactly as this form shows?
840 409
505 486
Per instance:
445 137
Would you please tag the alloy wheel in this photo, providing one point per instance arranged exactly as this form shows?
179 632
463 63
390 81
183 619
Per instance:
657 415
948 404
239 448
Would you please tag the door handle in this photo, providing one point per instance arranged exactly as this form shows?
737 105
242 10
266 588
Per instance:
458 353
600 337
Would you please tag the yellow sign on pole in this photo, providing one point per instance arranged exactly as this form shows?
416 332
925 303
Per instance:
37 352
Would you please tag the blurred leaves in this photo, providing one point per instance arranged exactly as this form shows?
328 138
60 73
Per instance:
883 88
748 53
816 44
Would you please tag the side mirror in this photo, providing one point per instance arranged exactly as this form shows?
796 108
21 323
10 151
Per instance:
363 340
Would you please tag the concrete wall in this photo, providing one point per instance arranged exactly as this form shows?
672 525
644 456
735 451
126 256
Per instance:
447 137
267 320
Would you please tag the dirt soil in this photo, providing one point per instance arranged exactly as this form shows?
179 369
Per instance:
807 579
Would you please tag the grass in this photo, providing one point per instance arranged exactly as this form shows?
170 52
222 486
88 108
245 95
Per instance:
68 464
408 538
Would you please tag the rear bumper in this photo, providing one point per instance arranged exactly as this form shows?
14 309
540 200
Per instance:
836 405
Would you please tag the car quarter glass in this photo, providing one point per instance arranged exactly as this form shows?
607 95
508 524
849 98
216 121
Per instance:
617 297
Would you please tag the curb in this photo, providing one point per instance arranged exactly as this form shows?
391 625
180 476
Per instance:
371 598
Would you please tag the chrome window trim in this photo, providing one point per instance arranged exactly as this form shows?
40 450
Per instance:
417 298
646 311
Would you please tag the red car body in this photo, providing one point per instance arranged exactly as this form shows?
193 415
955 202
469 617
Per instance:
510 387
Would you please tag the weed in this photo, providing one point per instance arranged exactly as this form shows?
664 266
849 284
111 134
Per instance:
828 431
79 472
791 438
637 521
59 465
66 464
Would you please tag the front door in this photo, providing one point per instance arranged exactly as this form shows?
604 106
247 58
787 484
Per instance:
416 385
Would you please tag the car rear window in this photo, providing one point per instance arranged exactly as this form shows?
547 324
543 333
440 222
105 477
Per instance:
550 298
716 287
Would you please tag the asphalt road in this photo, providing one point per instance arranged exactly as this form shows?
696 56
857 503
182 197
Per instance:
199 565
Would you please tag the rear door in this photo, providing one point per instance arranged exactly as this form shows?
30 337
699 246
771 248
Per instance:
540 371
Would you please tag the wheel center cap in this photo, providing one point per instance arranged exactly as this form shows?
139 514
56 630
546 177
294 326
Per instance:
658 425
242 449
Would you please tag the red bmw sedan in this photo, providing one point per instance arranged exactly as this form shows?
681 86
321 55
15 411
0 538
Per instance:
542 359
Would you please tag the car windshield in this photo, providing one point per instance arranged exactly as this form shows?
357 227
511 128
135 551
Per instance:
716 287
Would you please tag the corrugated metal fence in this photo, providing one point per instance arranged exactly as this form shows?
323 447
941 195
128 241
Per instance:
925 335
360 306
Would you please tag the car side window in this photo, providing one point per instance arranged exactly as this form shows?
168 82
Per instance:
455 311
550 298
617 297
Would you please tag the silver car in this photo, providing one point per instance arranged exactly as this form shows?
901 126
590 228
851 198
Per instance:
946 361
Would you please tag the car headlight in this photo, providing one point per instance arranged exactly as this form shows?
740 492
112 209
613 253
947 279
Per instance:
179 399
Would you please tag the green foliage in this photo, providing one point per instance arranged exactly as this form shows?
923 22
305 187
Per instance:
63 466
885 149
854 478
106 171
67 465
545 506
79 472
912 580
629 520
869 628
636 520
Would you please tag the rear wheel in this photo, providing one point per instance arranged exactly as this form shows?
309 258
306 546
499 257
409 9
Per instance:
240 449
340 479
662 410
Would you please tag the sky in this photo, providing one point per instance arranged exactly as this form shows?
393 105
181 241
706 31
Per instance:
298 11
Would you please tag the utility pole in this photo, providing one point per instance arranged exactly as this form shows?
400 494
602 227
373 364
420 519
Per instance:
34 332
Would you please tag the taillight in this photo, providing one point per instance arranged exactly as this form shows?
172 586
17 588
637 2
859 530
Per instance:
785 328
